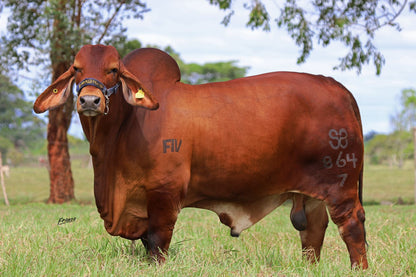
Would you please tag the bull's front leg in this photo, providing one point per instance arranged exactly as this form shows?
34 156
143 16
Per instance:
143 239
163 209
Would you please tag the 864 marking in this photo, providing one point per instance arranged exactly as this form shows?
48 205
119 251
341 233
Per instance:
338 140
341 160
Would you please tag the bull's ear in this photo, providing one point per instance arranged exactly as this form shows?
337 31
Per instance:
56 94
135 93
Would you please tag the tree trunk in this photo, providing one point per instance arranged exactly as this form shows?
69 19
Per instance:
61 181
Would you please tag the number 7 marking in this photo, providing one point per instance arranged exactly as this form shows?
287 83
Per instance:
343 177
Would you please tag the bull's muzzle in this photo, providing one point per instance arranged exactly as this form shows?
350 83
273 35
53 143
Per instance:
89 105
93 97
91 102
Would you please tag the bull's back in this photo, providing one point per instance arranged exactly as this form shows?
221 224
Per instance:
263 134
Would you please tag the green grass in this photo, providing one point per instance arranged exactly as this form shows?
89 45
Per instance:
33 244
31 184
382 183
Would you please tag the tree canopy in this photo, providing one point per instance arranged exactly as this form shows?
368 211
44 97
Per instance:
195 73
351 22
19 128
397 146
405 118
392 149
45 32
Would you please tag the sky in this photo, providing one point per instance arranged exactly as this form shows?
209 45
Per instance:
194 29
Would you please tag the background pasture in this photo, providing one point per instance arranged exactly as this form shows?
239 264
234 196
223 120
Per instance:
33 244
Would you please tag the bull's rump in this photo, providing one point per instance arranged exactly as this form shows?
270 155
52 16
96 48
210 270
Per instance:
272 133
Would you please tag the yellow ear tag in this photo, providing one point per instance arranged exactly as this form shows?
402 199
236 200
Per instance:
55 90
139 94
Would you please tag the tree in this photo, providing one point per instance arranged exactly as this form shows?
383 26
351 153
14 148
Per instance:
5 146
194 74
125 47
353 23
19 128
405 118
392 149
49 33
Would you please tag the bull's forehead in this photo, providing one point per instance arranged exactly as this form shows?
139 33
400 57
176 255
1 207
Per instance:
97 57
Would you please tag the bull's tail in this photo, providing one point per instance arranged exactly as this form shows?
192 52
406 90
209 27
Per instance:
360 185
360 196
356 110
360 178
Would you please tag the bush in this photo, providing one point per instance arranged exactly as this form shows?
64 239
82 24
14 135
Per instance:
15 157
5 146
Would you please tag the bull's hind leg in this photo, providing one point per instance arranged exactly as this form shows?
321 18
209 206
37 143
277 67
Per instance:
349 217
312 236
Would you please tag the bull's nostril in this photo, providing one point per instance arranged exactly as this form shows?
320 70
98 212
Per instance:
89 102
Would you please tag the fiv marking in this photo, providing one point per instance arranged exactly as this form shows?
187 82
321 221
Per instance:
171 145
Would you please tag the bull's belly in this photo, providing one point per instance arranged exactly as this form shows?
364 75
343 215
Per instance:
240 215
240 198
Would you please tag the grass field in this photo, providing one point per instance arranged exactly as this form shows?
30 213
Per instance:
33 244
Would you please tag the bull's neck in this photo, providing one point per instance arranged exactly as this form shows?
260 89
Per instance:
102 131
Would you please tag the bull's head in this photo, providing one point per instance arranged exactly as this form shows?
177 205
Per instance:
98 73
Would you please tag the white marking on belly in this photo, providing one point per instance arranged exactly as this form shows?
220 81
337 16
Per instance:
240 220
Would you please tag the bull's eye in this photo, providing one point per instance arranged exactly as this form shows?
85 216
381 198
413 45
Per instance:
76 69
114 71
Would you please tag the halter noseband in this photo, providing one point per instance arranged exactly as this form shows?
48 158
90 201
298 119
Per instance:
107 92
